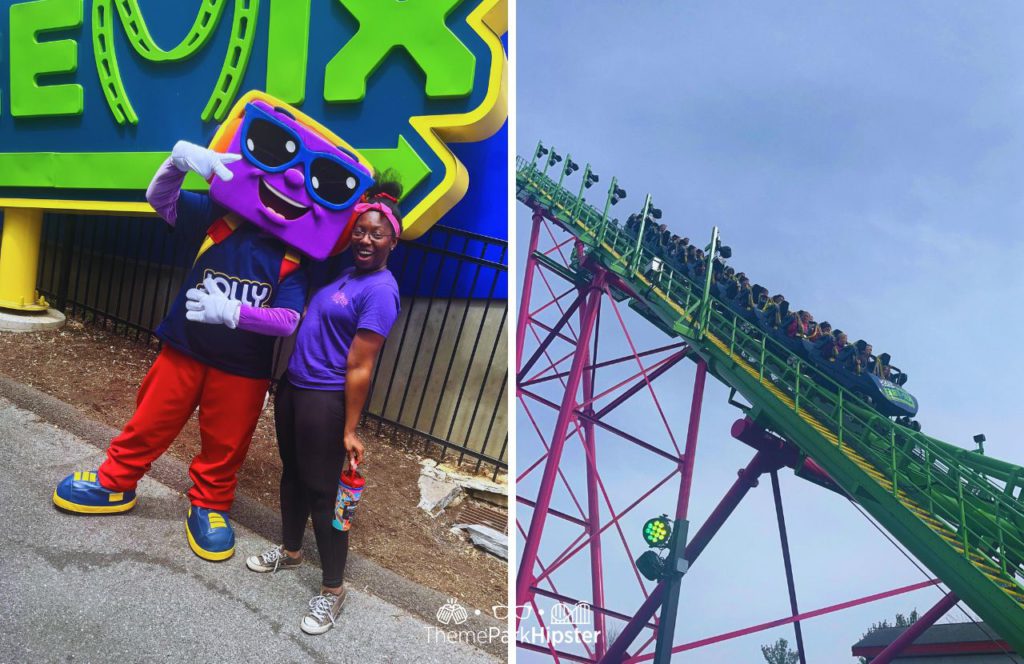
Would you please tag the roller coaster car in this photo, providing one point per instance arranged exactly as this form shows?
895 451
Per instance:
885 396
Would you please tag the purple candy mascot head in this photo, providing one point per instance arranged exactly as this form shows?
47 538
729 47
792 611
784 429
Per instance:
296 180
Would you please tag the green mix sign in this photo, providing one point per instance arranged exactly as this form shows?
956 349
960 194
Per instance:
95 92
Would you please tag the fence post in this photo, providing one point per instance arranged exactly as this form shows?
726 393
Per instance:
67 228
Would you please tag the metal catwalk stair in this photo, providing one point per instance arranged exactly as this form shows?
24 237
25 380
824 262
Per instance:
958 512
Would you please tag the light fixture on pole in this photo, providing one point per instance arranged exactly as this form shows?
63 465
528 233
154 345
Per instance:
569 168
553 159
589 178
538 153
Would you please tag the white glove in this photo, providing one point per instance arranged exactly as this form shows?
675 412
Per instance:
191 157
211 305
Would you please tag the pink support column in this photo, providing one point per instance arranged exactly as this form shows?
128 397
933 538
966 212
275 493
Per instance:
524 296
593 506
524 580
916 630
691 439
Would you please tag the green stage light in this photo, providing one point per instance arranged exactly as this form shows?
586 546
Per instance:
657 531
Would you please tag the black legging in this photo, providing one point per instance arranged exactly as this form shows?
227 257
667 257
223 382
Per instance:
309 436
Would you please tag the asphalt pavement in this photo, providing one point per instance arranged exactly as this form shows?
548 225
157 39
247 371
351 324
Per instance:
126 588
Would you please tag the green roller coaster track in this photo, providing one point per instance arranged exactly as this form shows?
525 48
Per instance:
960 513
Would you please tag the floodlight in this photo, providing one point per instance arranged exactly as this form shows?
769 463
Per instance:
650 565
657 531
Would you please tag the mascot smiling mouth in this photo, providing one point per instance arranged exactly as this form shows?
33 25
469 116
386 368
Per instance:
280 204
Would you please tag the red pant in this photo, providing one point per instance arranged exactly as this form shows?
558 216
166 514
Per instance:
229 407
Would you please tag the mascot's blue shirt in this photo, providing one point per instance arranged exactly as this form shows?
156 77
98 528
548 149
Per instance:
247 266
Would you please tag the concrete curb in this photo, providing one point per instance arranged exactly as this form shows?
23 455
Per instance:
36 321
361 573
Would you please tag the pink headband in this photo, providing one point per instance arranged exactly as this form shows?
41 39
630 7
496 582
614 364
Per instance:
360 208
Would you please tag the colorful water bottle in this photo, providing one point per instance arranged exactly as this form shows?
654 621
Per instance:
350 489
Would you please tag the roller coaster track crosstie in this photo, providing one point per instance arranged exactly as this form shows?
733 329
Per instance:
958 512
228 82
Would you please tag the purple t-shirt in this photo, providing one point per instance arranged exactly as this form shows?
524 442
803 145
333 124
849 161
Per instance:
349 303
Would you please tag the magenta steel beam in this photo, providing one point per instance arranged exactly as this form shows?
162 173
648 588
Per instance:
524 297
603 364
616 652
747 431
558 246
544 630
648 374
650 388
552 364
667 364
646 644
917 629
607 427
629 437
571 291
572 600
593 503
788 564
553 512
570 551
544 278
536 463
545 571
682 506
803 616
746 480
547 328
525 578
554 590
525 369
618 527
525 645
547 451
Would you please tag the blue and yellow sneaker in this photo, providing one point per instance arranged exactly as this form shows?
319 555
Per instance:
209 533
81 492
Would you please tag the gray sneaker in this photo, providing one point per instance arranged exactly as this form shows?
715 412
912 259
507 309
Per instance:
272 560
323 612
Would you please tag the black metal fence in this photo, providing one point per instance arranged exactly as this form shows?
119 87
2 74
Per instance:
443 370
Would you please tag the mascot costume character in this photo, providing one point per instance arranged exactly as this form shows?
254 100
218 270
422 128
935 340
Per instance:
282 188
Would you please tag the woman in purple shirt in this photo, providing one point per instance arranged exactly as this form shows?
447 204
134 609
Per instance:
320 399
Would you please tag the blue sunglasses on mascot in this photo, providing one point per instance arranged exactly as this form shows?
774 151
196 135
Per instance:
331 180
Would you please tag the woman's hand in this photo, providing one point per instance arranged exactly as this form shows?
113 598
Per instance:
354 448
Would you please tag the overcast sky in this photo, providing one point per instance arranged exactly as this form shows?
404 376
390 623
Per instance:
866 159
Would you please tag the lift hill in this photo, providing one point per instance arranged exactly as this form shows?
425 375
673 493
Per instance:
958 512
